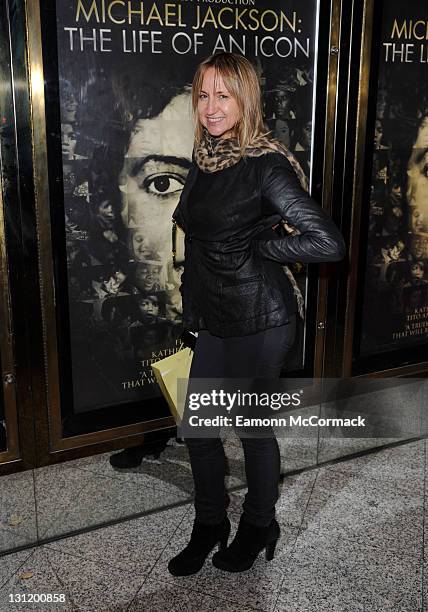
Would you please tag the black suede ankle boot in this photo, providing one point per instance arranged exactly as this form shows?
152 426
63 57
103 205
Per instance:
248 542
203 539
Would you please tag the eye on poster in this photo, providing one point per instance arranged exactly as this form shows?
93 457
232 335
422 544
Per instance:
125 70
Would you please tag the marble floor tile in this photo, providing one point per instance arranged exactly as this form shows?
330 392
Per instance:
425 582
94 463
294 496
106 499
425 542
13 538
57 489
341 577
365 512
35 575
135 544
398 466
95 585
171 469
127 496
9 564
217 604
331 448
423 401
165 473
390 409
160 596
255 588
351 538
235 458
297 453
17 511
295 492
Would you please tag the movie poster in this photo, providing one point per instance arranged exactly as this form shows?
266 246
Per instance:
396 291
125 70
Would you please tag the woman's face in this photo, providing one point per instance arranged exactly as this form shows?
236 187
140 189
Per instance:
218 110
155 169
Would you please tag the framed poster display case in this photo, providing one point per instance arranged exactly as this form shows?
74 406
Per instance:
112 133
386 329
16 426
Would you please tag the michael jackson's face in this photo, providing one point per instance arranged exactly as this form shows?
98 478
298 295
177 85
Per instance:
155 168
282 102
422 136
417 271
149 307
420 248
141 246
419 218
146 277
69 140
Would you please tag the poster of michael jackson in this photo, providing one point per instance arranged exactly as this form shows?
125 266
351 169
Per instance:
125 70
396 291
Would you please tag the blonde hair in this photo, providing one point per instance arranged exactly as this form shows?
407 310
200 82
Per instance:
241 81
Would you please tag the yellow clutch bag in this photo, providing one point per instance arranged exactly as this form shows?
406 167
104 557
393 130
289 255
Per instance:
167 372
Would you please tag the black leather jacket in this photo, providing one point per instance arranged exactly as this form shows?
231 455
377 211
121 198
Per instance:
233 282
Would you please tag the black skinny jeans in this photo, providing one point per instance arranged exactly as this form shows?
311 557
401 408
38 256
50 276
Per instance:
258 355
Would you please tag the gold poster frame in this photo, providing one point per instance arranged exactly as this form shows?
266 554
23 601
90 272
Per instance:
322 323
6 352
53 441
7 356
365 66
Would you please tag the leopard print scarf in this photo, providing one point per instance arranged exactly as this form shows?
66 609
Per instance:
214 154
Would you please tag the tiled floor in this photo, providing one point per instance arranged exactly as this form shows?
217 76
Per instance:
352 539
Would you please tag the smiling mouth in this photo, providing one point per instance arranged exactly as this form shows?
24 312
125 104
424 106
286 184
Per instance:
214 119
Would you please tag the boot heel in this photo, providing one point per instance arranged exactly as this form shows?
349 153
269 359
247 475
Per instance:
270 550
223 541
222 544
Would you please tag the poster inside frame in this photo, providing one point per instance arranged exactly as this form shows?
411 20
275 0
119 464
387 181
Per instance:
394 325
122 74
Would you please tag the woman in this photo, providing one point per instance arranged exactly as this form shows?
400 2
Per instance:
235 292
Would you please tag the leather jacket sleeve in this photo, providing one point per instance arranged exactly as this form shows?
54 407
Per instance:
319 239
